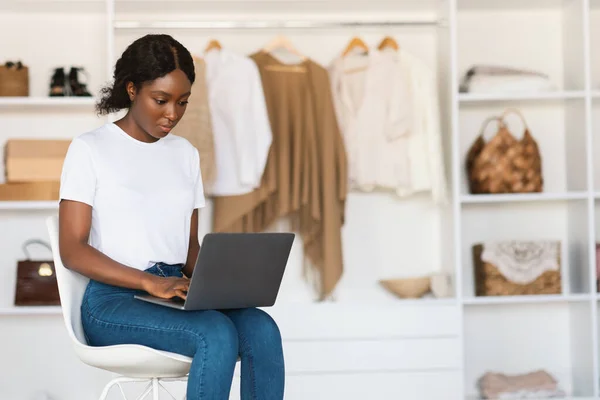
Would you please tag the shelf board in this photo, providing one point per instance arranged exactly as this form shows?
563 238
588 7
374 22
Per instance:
46 101
508 5
424 301
254 8
64 6
28 205
31 310
541 298
521 197
475 397
474 98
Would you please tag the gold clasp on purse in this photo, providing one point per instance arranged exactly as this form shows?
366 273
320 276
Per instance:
45 270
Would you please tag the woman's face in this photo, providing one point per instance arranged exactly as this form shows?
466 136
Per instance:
159 105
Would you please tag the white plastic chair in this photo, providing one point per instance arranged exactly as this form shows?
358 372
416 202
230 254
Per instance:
134 363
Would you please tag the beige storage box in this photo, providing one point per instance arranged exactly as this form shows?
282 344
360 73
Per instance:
30 191
34 160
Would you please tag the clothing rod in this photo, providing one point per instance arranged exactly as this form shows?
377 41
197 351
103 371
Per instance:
250 24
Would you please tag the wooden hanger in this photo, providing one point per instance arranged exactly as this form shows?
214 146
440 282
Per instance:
213 44
355 42
388 41
282 42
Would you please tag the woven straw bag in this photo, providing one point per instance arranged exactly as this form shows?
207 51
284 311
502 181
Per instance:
14 80
504 164
517 267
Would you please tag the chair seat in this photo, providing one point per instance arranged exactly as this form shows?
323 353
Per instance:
135 361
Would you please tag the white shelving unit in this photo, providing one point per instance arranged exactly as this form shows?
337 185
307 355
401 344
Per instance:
463 336
515 333
28 205
31 310
46 101
479 98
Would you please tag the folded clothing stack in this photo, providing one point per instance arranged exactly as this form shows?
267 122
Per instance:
534 385
497 79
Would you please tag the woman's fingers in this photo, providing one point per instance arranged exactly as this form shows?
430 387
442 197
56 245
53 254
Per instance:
181 287
178 287
183 284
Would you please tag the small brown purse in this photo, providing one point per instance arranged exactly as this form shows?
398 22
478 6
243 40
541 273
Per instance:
14 79
36 280
504 164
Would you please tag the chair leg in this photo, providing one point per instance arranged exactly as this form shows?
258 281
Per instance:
153 386
155 389
107 388
182 379
117 381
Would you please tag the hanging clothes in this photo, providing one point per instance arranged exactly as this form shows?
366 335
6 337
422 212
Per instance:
386 105
242 132
196 125
306 173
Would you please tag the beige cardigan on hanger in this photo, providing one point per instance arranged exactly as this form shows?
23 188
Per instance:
305 178
196 124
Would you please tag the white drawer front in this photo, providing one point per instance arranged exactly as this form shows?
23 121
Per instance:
376 386
371 355
335 321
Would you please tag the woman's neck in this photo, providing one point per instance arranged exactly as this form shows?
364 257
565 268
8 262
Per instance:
129 126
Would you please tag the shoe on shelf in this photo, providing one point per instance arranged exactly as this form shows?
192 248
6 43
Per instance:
77 87
58 86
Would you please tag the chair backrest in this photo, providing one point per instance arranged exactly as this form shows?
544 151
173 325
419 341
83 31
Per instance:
71 287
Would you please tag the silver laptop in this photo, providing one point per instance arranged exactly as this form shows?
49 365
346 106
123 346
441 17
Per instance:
235 270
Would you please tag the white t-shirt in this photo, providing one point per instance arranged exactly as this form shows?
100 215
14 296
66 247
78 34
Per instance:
142 194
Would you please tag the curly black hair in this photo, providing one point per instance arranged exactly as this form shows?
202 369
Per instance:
147 58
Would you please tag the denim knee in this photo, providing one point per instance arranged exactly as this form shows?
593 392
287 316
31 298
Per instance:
264 326
222 333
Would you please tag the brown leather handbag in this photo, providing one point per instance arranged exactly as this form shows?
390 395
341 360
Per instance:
504 164
14 79
36 280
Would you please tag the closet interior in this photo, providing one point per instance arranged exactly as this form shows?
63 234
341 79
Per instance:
408 309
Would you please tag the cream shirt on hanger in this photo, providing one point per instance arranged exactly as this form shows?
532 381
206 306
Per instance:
425 142
387 111
372 130
241 127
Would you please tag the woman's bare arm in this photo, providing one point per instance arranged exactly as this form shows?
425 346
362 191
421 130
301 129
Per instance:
75 219
194 246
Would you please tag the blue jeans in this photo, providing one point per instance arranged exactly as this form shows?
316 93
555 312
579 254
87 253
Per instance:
214 339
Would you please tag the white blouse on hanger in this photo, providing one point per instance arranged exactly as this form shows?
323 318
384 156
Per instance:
386 105
241 127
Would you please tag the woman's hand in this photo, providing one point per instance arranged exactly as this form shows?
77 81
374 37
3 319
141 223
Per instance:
166 288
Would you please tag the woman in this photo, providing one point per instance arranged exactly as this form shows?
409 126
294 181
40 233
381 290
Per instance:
128 218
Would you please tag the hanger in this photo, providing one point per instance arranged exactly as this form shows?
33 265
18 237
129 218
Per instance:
355 42
282 42
388 41
213 44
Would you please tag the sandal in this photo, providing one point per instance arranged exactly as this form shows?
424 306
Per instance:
57 83
78 88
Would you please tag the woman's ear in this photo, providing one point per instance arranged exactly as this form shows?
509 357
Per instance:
131 92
